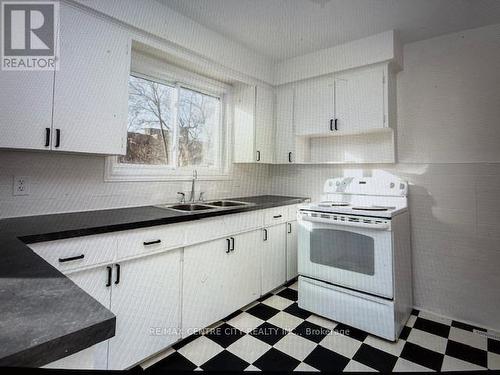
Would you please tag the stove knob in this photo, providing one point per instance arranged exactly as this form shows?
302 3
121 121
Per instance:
392 185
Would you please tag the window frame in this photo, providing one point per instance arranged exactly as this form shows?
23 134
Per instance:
150 68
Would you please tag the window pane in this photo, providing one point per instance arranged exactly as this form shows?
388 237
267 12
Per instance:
199 129
150 123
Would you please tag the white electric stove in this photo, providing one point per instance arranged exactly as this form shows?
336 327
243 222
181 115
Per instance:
354 256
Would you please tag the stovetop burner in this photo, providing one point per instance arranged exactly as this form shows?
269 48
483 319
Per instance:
333 204
373 208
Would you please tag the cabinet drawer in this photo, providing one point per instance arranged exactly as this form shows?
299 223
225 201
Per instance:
79 252
242 222
275 215
142 241
204 230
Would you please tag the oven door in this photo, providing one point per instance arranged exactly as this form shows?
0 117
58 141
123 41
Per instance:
359 258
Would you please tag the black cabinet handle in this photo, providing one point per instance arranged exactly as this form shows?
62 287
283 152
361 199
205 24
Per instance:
151 242
117 281
289 227
232 243
289 157
336 121
258 155
228 245
108 284
277 216
265 234
58 138
47 137
63 260
331 124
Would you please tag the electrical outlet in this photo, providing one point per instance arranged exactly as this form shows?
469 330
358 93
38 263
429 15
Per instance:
21 185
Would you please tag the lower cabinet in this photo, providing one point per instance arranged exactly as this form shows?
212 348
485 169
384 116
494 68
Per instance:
273 257
291 250
219 277
144 294
146 301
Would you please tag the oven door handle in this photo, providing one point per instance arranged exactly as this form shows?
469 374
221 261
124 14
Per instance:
353 224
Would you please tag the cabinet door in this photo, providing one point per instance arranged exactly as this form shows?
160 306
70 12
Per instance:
314 106
291 250
25 109
244 124
91 85
359 100
207 276
264 125
218 281
146 302
92 281
273 259
285 130
243 286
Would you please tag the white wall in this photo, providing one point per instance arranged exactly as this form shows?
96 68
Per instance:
448 122
66 183
188 36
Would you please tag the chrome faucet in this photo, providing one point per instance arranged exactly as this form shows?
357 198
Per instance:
193 182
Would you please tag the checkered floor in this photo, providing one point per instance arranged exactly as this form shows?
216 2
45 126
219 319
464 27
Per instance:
275 334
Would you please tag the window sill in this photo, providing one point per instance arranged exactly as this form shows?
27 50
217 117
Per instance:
115 173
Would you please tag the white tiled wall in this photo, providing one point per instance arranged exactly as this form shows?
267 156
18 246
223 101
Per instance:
65 183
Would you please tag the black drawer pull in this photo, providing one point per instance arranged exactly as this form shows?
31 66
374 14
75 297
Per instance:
289 227
336 121
58 138
47 137
232 244
258 155
277 216
265 234
289 157
331 124
151 242
117 274
108 283
63 260
228 245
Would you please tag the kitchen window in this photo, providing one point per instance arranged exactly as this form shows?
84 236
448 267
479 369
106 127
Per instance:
174 128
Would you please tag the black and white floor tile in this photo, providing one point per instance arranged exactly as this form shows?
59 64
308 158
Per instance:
273 333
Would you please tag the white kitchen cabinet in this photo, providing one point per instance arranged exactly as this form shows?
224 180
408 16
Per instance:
314 106
146 301
273 258
264 125
26 109
144 294
291 250
219 277
285 128
360 99
91 85
253 124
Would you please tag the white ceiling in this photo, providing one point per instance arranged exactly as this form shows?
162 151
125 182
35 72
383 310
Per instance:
281 29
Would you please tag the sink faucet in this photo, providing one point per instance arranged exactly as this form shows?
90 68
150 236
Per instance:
193 182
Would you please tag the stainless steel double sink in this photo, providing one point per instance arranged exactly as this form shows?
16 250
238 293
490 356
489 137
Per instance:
206 206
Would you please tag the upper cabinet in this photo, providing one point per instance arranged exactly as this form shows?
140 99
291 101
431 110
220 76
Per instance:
360 100
91 85
315 106
253 124
26 109
83 106
285 127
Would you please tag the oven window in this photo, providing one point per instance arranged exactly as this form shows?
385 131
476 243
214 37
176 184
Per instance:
345 250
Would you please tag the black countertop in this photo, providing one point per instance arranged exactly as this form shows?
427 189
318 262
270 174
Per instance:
44 316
